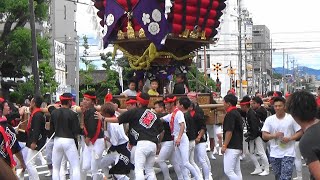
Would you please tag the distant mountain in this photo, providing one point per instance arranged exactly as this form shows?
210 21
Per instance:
302 71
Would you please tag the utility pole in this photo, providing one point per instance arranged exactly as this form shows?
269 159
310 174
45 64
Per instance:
205 66
77 72
294 76
239 47
245 57
283 75
271 73
197 65
35 68
287 87
287 63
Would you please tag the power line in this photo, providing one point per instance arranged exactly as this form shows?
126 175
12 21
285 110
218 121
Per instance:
298 32
265 43
77 2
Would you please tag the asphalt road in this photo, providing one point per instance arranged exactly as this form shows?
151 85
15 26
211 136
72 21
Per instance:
217 171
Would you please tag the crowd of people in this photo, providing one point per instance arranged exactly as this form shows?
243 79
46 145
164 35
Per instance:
109 142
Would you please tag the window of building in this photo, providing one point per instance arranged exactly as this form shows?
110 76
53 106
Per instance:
256 33
199 60
75 25
65 12
208 61
257 45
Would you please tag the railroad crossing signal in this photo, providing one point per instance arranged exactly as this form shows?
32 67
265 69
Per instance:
217 67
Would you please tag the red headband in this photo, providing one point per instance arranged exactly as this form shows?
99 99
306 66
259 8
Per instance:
108 97
63 98
141 100
232 91
275 94
287 95
89 96
244 103
132 101
168 100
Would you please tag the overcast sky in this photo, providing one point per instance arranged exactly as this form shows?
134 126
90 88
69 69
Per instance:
292 21
293 25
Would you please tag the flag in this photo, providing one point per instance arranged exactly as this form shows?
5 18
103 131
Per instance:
113 13
151 18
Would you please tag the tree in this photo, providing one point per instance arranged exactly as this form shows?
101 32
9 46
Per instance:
15 39
112 77
195 75
87 73
48 85
277 76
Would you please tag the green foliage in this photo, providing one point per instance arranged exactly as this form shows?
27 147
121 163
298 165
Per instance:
87 73
41 10
20 47
47 81
16 97
15 39
277 76
112 76
16 9
204 85
26 88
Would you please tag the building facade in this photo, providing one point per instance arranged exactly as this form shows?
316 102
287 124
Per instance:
225 52
262 60
63 30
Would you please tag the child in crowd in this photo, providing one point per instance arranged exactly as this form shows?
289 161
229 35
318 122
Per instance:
153 88
181 86
131 91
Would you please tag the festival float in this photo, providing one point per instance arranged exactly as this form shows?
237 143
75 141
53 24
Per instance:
160 37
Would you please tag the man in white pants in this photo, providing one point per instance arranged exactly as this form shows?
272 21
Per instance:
201 136
94 137
148 127
66 126
131 103
253 138
167 146
120 155
282 131
232 138
178 130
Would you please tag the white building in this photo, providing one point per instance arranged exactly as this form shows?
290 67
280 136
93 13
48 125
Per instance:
225 51
62 28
